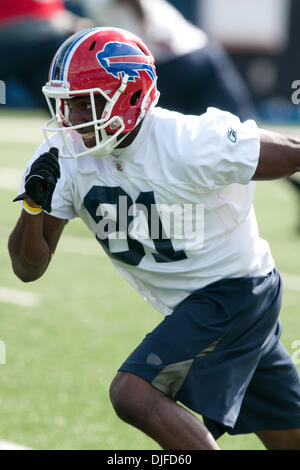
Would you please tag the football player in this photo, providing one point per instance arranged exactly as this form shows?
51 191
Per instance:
124 165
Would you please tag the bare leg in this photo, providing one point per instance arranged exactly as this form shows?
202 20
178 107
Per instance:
286 439
173 427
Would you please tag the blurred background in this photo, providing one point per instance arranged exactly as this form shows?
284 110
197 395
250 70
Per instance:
260 38
66 334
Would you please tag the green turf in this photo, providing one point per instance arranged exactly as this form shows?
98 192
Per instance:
62 355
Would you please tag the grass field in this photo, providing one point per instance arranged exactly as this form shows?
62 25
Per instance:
67 333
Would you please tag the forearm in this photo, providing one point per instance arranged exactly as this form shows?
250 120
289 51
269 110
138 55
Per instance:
279 156
29 251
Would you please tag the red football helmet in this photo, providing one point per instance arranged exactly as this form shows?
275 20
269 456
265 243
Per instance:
111 62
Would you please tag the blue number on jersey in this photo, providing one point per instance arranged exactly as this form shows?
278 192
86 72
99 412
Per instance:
133 256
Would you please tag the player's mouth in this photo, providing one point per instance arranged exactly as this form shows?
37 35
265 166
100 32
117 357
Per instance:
89 139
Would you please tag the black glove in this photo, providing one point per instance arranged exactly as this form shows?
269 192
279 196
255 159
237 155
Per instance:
41 179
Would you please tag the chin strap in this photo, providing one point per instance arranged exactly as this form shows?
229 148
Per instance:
145 102
111 103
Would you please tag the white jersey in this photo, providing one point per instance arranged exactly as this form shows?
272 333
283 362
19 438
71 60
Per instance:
174 211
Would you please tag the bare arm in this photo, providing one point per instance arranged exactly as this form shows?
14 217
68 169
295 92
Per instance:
32 244
279 156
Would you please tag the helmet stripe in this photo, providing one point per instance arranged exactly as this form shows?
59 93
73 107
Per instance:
63 53
70 52
58 61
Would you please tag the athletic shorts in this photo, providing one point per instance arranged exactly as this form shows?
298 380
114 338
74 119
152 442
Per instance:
219 354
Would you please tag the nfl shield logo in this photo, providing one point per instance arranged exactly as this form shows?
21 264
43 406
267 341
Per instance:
119 166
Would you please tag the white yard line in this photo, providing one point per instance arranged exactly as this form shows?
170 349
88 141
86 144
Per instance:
19 297
7 445
291 281
21 129
74 244
10 178
87 245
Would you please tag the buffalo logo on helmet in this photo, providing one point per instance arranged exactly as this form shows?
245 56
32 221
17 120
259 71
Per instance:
118 58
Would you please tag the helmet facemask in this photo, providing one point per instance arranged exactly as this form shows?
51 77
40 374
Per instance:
60 122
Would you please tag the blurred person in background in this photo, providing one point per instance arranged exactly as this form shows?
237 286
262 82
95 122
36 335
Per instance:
265 50
194 72
30 33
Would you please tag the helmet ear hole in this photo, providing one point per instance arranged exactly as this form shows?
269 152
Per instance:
92 46
135 97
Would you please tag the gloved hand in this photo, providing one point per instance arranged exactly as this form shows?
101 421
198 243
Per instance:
41 179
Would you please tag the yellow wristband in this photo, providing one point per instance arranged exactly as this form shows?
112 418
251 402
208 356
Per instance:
31 210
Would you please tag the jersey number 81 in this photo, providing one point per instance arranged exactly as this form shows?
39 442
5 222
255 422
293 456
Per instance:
116 196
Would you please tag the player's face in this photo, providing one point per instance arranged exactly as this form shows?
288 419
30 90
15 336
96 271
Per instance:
80 112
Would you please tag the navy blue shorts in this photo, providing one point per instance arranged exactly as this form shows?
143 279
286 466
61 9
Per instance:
219 354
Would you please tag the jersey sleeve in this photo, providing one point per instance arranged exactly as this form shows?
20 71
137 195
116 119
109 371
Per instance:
221 150
62 199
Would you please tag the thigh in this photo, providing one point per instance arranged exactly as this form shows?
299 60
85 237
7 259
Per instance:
287 439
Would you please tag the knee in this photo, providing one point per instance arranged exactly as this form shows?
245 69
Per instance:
131 397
